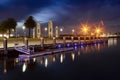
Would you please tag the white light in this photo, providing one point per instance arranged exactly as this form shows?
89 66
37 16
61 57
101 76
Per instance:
24 67
73 30
45 29
61 29
53 59
73 56
61 58
23 27
46 62
0 35
34 59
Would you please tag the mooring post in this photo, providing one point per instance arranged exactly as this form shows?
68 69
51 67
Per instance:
85 39
26 42
79 40
72 40
93 38
5 45
54 42
90 39
42 42
64 41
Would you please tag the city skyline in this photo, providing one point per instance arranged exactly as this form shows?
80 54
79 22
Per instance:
67 13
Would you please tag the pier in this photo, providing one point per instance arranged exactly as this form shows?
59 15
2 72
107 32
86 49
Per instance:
44 44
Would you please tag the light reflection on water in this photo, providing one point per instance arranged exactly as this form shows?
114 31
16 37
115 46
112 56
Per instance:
51 59
24 67
112 42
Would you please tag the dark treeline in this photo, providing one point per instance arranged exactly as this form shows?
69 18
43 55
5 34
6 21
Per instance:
10 24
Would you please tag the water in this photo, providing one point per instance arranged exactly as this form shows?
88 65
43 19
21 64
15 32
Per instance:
96 62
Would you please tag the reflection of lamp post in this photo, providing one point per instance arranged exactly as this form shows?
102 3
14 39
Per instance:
24 30
45 31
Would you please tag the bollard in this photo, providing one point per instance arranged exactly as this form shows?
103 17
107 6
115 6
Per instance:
94 40
26 42
90 39
97 38
5 45
64 41
79 40
42 42
84 39
72 40
54 42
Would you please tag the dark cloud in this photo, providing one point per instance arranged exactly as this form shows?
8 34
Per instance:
67 13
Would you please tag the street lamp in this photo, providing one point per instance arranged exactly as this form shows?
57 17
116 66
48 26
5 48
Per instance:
23 30
61 29
85 28
73 30
45 31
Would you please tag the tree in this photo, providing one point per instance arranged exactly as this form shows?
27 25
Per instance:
11 24
30 23
3 28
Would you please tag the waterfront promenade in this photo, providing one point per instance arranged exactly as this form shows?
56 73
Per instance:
36 41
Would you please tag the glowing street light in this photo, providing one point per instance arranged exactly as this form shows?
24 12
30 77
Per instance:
97 31
61 29
23 27
45 31
73 30
23 30
85 28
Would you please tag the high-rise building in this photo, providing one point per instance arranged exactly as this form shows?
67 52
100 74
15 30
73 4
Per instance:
39 34
56 32
50 29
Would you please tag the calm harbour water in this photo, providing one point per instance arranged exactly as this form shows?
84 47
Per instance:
95 62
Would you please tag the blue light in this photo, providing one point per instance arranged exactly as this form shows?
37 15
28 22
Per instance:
95 44
75 47
59 45
68 45
75 44
82 46
81 43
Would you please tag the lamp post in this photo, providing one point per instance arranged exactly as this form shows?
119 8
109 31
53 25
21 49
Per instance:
85 30
97 33
73 30
61 29
45 31
24 30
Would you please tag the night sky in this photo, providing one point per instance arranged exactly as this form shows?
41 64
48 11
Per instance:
66 13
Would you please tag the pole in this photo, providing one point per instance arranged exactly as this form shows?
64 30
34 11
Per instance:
72 40
64 41
54 42
5 45
26 42
79 40
42 42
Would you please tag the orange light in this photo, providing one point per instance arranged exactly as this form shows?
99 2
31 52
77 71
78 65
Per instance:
98 30
85 28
